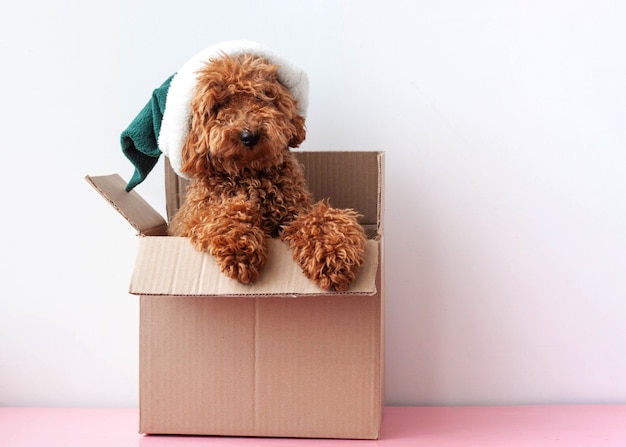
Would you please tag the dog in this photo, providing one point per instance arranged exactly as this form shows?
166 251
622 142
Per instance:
247 186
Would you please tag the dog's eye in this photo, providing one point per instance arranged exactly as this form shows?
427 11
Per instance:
220 104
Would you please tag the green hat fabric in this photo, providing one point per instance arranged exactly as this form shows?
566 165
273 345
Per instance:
139 139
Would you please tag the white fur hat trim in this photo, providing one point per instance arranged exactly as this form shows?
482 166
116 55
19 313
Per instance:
177 115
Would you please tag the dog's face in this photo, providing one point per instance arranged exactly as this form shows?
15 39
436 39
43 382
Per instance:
242 118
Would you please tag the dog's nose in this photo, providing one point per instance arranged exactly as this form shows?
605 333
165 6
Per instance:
249 138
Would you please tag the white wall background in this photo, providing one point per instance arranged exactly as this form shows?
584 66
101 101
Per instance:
504 127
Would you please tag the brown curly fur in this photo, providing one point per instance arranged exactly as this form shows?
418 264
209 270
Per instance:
240 194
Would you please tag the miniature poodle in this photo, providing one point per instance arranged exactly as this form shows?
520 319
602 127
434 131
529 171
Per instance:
247 186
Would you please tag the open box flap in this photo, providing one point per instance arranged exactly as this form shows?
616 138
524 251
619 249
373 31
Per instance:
171 266
143 217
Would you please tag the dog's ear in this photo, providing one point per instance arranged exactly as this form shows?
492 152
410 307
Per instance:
194 153
299 133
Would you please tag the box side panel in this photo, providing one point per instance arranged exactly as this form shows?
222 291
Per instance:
319 366
349 179
380 282
196 365
280 367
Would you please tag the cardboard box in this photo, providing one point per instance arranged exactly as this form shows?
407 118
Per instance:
279 357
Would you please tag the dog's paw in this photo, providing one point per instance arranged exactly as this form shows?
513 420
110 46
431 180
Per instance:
239 248
240 254
242 268
330 270
328 244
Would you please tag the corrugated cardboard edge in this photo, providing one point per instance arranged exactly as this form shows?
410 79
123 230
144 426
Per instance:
381 281
380 198
171 266
143 217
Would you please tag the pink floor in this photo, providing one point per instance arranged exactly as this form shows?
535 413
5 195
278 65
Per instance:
529 426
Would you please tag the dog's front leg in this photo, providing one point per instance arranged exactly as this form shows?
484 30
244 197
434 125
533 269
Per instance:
328 243
232 233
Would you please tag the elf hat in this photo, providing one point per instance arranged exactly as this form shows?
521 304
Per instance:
163 125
